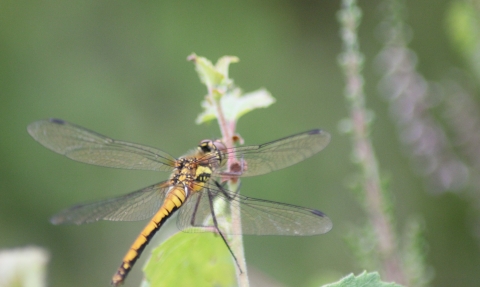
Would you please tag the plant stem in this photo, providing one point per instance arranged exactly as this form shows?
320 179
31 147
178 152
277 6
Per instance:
236 242
352 61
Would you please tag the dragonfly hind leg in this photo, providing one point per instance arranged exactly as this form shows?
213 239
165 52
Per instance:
218 230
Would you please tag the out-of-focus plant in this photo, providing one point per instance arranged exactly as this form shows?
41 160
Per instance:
461 110
445 150
377 245
411 99
23 267
361 280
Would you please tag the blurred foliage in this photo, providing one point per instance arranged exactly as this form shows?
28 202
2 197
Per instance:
209 263
362 280
463 27
381 239
23 267
119 68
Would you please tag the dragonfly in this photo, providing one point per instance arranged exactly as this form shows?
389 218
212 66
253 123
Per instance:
194 188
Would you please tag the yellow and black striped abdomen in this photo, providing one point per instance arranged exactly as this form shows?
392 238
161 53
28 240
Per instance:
174 200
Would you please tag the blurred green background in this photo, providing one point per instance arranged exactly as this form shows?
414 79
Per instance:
119 68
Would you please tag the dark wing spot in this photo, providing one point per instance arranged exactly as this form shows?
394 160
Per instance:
318 212
57 121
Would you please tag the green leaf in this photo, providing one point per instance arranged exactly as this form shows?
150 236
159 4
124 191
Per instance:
362 280
190 259
234 105
214 77
223 64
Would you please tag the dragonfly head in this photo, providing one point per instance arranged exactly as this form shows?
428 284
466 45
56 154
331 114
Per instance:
209 146
213 148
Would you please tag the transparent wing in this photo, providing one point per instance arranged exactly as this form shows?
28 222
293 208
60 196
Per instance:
279 154
138 205
258 217
86 146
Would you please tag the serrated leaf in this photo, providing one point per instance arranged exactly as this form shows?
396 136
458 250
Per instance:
214 77
234 105
362 280
190 259
223 64
207 72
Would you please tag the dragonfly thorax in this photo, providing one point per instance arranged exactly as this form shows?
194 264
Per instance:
191 174
184 170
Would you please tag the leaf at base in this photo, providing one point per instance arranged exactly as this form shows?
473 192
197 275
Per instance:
190 259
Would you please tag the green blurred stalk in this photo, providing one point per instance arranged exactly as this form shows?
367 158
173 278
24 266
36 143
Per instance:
376 206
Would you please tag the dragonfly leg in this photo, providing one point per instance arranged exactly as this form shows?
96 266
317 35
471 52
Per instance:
192 220
214 218
221 187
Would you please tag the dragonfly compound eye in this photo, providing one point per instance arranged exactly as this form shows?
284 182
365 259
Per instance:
219 145
206 146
